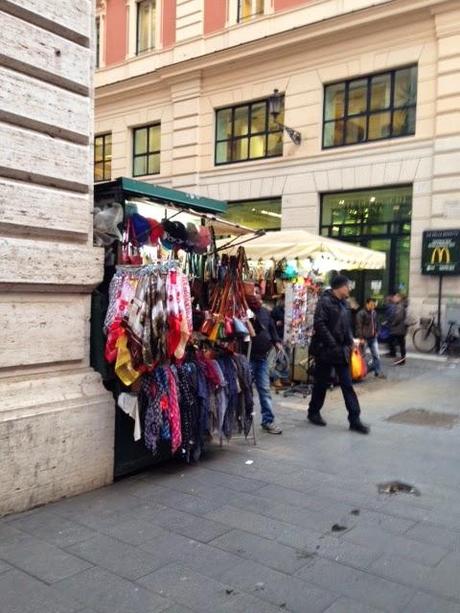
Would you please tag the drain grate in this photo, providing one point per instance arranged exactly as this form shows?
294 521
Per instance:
423 417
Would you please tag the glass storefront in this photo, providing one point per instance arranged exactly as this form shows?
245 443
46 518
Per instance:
256 214
379 219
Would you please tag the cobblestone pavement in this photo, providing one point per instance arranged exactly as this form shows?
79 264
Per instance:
294 524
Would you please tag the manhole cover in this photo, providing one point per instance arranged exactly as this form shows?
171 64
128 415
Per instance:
423 417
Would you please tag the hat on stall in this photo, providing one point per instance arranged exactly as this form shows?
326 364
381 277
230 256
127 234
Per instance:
204 240
192 236
141 228
339 281
156 231
175 234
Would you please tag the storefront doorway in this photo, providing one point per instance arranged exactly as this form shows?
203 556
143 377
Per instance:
379 219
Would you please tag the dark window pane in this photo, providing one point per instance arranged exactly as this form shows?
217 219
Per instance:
241 122
224 124
275 144
223 152
154 164
248 9
379 126
404 122
333 133
405 87
146 17
140 166
335 101
357 97
240 149
381 92
256 214
154 138
258 117
140 141
99 172
107 170
98 149
356 130
257 146
108 145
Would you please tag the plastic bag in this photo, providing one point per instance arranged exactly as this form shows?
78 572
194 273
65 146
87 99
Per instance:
358 365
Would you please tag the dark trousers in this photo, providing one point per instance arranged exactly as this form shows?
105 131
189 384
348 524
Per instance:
322 380
400 341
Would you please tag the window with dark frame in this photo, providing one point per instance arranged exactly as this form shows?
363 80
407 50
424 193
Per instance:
249 9
374 107
102 157
146 150
248 132
98 41
145 26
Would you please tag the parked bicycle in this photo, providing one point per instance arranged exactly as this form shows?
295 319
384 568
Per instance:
428 337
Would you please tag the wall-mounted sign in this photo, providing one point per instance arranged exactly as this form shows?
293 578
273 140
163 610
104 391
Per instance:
441 252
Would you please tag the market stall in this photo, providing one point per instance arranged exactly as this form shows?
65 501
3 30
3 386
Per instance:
163 337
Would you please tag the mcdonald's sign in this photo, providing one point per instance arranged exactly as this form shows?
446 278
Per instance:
441 252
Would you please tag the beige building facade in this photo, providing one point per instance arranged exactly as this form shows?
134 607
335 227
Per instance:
56 419
301 48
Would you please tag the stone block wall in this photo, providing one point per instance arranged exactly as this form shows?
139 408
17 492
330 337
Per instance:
56 419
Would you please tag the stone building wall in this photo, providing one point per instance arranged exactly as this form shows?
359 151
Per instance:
56 419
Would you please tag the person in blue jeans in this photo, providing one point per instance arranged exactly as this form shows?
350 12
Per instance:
367 332
266 337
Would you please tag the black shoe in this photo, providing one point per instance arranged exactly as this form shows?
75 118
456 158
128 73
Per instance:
360 427
399 362
316 419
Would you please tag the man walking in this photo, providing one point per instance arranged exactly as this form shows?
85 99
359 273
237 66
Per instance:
398 329
366 331
331 346
266 337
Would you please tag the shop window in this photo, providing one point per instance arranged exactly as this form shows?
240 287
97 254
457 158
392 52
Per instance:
103 157
370 108
146 25
249 9
379 219
248 132
146 150
256 214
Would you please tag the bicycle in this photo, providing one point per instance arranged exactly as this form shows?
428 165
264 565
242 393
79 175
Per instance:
427 337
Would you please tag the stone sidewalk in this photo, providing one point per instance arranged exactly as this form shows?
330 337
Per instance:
294 524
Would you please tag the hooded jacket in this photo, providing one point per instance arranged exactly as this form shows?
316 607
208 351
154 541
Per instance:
333 338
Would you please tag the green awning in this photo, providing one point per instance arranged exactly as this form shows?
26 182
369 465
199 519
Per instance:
124 188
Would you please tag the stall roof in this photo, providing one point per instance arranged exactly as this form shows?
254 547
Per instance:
124 188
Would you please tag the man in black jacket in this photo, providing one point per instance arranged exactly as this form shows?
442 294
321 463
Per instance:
331 346
266 337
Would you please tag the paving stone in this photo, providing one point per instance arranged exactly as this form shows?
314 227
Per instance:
177 608
279 589
40 559
249 604
426 603
4 567
21 593
210 561
248 521
180 584
103 500
270 553
198 528
107 593
358 556
232 482
183 502
347 605
435 535
300 499
358 585
119 558
52 528
423 553
134 531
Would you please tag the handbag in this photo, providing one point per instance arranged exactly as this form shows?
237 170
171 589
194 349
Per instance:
358 366
239 327
130 253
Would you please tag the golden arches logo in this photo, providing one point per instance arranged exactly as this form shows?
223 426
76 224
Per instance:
438 255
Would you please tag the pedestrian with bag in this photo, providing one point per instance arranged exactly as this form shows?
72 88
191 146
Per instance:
331 347
367 332
265 338
398 329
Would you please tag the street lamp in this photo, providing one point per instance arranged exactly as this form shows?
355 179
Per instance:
274 108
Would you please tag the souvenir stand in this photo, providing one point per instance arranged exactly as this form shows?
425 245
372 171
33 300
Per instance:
168 323
296 263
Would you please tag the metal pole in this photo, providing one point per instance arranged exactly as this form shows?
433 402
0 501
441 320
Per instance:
439 308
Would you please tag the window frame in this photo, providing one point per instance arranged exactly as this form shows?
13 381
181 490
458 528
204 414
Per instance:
147 153
232 139
98 40
253 16
103 135
368 112
154 28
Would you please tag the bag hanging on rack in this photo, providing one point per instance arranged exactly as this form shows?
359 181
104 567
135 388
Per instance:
130 254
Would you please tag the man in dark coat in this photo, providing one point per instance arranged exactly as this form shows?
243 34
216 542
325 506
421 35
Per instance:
266 337
331 346
366 331
398 329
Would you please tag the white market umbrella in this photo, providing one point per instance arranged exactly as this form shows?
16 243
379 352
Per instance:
292 244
